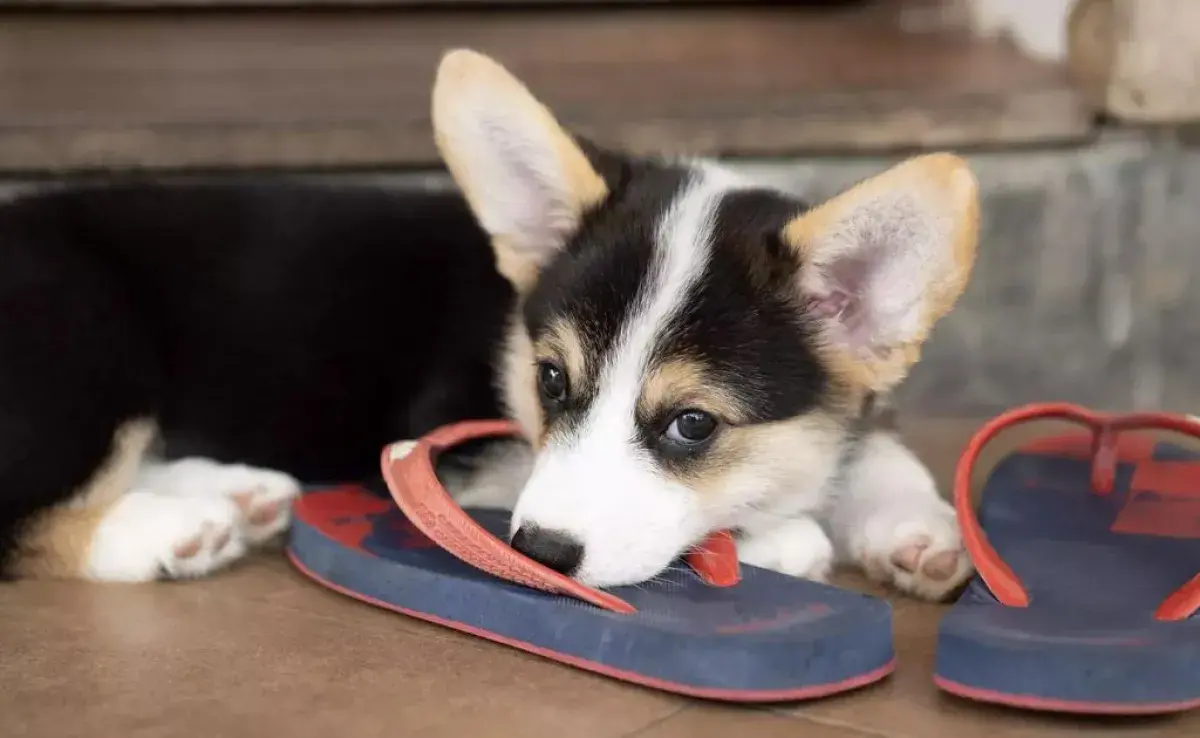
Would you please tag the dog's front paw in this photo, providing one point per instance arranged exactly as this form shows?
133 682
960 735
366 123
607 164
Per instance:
917 550
263 496
797 547
148 536
265 499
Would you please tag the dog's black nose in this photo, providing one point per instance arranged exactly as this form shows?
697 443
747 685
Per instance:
550 548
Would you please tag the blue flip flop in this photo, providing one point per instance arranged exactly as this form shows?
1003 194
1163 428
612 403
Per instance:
712 629
1088 548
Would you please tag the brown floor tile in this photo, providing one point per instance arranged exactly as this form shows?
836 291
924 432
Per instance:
706 721
199 659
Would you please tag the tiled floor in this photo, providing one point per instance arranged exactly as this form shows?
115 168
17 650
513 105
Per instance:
260 650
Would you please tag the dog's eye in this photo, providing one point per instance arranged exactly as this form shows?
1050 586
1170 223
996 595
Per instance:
552 382
691 427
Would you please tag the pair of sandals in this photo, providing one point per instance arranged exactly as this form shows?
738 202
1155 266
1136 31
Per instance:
1087 547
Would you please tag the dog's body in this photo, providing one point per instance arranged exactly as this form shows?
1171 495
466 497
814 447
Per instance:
282 327
684 352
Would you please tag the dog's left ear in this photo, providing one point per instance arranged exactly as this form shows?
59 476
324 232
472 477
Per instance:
881 263
526 179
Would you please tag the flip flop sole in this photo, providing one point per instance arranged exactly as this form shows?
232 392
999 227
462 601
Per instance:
1095 568
769 638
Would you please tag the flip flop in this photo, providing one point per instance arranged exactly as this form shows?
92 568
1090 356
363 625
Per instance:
1088 552
711 629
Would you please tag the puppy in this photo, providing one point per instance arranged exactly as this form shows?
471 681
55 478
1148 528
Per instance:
691 351
684 350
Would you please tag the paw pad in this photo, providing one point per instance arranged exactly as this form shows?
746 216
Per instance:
188 549
908 557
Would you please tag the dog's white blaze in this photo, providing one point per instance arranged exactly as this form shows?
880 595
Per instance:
600 486
684 244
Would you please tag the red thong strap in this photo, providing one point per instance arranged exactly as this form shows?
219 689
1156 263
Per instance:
408 469
1107 449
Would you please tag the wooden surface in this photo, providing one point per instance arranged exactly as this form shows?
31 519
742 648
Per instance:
351 88
192 4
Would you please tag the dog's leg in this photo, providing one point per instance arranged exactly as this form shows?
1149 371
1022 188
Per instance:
888 518
112 531
796 546
490 478
262 497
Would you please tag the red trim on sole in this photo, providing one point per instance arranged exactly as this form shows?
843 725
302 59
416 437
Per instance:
1029 702
723 695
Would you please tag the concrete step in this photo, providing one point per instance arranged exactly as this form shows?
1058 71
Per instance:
349 88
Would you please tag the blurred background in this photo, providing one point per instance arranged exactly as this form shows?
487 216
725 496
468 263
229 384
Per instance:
1077 114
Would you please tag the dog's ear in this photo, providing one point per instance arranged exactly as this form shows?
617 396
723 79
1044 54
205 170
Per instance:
526 179
882 262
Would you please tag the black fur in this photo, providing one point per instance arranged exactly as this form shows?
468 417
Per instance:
602 269
301 328
284 326
744 319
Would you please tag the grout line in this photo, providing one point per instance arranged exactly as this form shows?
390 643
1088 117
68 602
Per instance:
841 724
656 722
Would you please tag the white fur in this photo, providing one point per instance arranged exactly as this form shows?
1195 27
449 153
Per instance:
522 193
141 537
252 488
798 518
796 546
495 480
889 501
598 486
226 509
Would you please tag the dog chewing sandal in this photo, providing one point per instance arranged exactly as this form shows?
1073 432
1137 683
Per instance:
710 629
1088 552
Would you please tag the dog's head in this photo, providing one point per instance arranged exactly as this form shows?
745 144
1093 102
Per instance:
688 348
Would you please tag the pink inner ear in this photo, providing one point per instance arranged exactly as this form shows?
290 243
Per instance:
845 302
829 306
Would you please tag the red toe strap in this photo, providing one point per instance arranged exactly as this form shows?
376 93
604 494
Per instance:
408 469
1107 447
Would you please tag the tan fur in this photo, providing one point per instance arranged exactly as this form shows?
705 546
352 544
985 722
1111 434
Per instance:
685 383
465 75
519 375
563 344
806 446
58 542
945 194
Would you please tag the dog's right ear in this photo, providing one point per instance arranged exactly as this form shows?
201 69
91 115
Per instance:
526 179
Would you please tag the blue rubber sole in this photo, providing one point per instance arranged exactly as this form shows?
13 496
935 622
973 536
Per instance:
1096 568
769 638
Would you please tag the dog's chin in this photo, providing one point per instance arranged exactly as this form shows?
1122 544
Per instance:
632 565
624 575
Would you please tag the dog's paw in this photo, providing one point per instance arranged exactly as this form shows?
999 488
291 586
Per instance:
148 536
917 550
263 497
265 500
797 547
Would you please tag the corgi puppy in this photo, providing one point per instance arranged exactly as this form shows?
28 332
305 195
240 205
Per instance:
684 350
